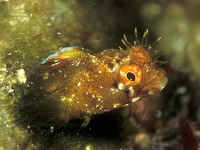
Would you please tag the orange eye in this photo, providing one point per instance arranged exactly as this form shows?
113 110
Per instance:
130 74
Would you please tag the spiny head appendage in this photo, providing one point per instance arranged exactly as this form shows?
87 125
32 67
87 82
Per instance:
136 42
144 42
158 62
126 42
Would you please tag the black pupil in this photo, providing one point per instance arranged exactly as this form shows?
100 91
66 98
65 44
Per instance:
130 76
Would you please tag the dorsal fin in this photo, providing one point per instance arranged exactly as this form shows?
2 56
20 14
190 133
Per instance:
64 56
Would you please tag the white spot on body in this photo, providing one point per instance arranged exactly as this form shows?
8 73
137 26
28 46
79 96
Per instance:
151 92
89 112
78 63
115 68
131 90
79 84
70 99
112 89
63 98
121 86
135 99
115 105
73 95
94 59
127 59
46 75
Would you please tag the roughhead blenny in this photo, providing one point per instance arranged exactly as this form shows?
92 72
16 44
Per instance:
73 83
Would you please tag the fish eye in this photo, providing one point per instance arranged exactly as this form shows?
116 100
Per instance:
130 74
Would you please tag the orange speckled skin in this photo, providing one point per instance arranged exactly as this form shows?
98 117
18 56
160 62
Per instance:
81 84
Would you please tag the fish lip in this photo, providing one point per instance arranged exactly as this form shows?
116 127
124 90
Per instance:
144 92
165 83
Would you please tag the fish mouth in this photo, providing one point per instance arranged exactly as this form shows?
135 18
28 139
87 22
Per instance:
135 93
151 89
162 84
149 86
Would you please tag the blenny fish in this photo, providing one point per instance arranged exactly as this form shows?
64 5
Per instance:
73 83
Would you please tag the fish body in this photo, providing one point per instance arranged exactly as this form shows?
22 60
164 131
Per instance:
73 83
85 84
